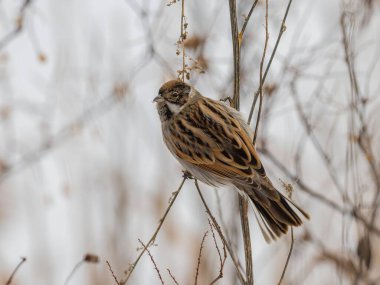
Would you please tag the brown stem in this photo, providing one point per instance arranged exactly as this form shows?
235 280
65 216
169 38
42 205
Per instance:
152 239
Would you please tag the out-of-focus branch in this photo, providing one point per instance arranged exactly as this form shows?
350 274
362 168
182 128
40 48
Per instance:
23 259
66 132
364 140
19 25
131 268
331 204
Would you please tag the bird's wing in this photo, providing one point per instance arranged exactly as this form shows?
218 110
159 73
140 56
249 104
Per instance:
213 137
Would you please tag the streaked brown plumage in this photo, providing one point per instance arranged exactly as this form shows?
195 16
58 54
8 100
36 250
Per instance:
214 143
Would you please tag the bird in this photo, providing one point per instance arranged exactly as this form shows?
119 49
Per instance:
213 142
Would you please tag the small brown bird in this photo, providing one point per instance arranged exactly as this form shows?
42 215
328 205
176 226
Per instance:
214 143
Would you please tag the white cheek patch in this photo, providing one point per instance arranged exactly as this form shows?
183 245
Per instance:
173 107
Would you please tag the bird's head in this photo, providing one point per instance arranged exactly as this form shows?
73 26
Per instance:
172 96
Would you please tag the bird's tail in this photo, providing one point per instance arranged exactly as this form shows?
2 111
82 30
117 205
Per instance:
276 212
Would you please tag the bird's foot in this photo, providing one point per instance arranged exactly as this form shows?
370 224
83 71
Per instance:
187 174
228 98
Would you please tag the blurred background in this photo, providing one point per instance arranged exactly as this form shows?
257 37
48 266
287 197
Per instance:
83 169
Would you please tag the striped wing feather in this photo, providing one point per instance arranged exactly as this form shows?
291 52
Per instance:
213 137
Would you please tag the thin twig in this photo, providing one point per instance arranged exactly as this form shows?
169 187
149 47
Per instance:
152 259
288 258
183 37
152 239
19 25
221 260
241 34
220 233
113 274
23 259
243 204
76 267
261 73
199 257
172 276
282 30
87 258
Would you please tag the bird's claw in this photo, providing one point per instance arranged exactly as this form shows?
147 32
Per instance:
187 174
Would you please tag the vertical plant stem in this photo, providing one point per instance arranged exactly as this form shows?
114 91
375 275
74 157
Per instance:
261 73
281 32
243 203
243 206
182 41
236 54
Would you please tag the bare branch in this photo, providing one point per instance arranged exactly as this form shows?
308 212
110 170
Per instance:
113 274
261 73
153 238
220 233
152 259
87 258
241 34
282 30
172 276
289 254
221 260
23 259
19 25
199 257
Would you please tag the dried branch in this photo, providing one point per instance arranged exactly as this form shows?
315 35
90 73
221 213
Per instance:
153 238
241 34
172 276
19 25
364 140
152 259
261 73
243 204
220 233
282 30
183 37
87 258
289 254
113 274
199 257
221 260
23 259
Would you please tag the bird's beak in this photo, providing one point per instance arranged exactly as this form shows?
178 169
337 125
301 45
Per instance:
158 99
